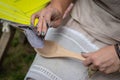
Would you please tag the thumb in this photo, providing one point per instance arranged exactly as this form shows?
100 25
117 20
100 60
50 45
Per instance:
88 60
85 55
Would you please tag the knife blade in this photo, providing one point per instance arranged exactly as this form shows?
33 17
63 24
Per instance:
34 39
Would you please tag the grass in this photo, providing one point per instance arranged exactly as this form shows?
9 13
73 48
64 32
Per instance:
17 61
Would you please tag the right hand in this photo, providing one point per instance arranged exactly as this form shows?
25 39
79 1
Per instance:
105 60
49 15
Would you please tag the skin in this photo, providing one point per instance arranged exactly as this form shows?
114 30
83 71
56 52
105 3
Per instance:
52 14
104 60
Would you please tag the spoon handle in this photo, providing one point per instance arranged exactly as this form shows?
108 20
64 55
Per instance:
66 53
77 56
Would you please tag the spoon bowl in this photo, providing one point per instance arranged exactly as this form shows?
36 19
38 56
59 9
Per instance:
52 50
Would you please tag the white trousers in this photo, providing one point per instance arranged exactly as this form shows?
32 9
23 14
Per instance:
67 68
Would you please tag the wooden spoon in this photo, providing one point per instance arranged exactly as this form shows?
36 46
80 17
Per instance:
52 49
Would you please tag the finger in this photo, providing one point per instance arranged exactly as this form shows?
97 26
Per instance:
106 64
39 26
33 17
102 69
57 23
44 28
93 67
110 69
48 18
87 62
85 55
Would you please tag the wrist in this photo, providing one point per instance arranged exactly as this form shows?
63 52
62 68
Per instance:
117 49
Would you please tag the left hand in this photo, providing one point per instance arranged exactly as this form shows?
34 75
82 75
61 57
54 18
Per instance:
105 60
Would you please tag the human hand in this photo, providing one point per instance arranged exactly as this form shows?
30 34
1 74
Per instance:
49 16
105 60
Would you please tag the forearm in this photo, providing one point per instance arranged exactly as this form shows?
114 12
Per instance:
61 5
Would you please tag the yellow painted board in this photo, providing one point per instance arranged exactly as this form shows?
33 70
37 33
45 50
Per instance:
20 11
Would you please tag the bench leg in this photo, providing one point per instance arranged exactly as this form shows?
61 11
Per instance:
5 39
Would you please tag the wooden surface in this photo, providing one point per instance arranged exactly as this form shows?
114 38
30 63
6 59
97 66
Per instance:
3 42
52 49
5 39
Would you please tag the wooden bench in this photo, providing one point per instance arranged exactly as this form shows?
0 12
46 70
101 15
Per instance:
6 36
5 39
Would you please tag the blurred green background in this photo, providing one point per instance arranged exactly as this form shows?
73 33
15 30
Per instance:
17 61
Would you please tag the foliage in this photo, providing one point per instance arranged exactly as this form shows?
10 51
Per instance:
17 61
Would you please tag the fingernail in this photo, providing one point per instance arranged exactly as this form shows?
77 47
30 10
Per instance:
39 33
43 33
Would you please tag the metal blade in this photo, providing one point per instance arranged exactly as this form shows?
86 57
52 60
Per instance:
33 39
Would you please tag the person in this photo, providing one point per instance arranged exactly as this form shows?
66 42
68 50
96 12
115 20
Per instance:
98 20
